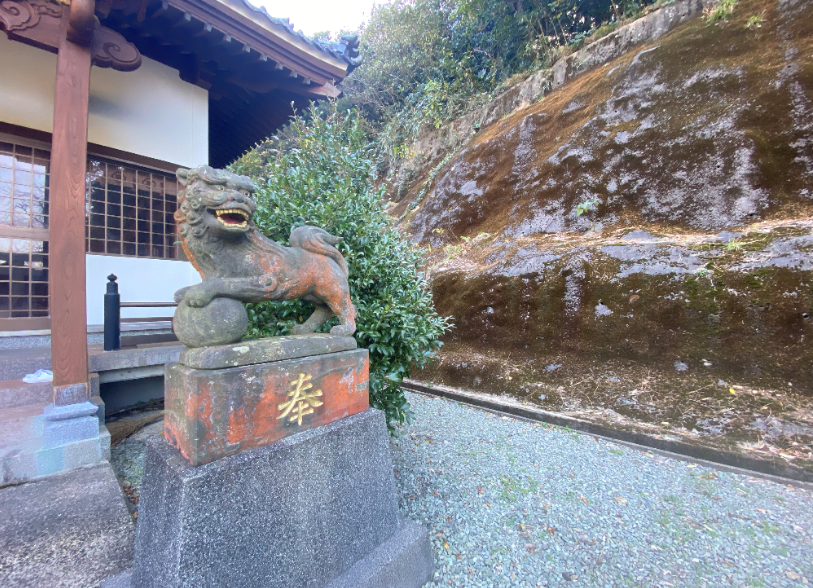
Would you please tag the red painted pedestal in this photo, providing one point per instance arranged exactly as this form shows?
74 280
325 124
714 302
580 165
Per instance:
214 413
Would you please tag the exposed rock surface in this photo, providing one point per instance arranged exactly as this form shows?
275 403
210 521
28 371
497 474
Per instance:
692 160
433 143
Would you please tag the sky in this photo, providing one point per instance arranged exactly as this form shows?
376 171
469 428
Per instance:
313 16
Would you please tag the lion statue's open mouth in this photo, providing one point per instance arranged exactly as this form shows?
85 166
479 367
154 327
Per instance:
232 218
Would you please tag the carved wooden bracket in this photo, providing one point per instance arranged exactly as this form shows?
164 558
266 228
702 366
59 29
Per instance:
110 49
40 23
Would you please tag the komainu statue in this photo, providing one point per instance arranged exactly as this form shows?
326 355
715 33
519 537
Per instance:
235 261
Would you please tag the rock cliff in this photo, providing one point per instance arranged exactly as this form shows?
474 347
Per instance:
641 233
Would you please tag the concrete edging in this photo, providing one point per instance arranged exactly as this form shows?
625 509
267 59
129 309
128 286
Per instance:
721 460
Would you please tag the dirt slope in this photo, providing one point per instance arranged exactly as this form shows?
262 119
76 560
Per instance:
682 301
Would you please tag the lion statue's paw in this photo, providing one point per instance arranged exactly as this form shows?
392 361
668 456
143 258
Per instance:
343 330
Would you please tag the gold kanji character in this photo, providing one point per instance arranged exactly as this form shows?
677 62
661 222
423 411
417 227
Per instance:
301 401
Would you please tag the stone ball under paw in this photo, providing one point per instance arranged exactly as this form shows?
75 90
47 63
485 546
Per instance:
222 321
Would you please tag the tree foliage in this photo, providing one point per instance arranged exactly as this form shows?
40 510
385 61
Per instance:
426 61
319 172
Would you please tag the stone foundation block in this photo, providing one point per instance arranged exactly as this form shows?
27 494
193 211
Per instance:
212 413
315 510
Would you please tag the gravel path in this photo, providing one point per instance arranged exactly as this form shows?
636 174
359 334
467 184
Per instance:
512 503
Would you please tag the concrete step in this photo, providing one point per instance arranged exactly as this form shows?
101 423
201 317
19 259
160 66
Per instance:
21 427
67 530
15 393
16 363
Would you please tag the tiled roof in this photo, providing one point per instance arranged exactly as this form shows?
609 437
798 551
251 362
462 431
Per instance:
346 49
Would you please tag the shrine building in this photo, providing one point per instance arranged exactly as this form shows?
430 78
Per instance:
100 103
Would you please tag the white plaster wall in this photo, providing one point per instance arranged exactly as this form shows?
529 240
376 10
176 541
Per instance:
140 280
150 111
27 77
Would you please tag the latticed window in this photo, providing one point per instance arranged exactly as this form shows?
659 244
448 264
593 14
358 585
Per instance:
129 212
23 231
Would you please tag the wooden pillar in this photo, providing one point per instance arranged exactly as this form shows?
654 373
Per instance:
69 355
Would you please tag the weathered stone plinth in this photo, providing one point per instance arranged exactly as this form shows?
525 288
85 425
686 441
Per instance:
317 510
212 413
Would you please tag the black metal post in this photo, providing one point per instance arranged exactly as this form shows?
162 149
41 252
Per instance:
112 316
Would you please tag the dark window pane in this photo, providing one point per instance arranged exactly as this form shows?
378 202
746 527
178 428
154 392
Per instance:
38 275
113 234
129 249
4 288
39 289
19 288
113 209
39 303
96 246
113 222
143 238
157 251
97 232
143 250
114 247
19 274
128 223
143 225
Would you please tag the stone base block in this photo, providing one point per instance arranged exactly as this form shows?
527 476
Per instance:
48 441
212 413
317 509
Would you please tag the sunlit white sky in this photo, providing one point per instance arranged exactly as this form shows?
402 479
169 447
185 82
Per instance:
313 16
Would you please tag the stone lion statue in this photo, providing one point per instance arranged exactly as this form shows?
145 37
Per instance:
214 216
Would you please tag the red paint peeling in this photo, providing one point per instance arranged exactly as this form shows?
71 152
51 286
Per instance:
250 398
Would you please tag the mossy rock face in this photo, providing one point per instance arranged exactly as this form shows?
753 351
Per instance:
706 128
643 298
222 321
696 149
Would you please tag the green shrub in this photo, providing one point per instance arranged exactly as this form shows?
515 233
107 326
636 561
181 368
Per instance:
320 172
719 12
